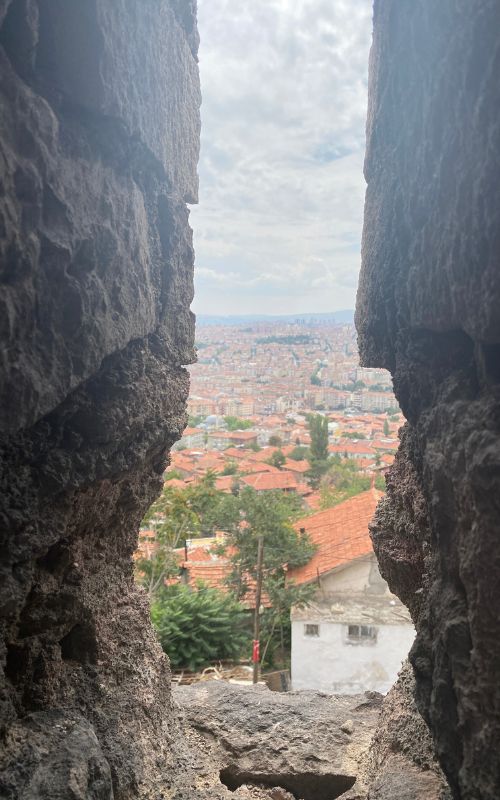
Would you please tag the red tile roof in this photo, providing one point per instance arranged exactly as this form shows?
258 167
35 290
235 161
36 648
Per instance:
264 454
265 481
340 534
214 571
297 466
225 483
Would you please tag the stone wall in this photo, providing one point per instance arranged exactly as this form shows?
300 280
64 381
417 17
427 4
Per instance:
428 309
99 118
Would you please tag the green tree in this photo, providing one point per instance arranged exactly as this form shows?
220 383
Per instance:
315 379
299 453
387 429
196 627
173 474
342 481
230 468
270 515
318 431
238 424
177 515
275 440
318 451
173 521
277 459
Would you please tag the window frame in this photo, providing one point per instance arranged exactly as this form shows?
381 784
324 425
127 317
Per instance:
367 635
309 635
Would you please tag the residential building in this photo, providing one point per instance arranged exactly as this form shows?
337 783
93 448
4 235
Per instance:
355 634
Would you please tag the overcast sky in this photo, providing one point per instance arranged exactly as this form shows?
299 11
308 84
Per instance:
284 84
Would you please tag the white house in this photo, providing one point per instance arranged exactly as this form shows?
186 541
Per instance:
355 635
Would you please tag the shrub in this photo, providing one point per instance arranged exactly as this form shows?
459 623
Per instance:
196 627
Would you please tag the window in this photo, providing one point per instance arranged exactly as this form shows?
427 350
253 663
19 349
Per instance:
361 634
311 630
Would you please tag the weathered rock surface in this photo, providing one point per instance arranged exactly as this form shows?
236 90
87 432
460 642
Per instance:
99 123
428 310
402 755
310 745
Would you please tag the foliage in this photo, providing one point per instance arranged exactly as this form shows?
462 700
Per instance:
277 459
275 440
238 424
230 468
318 430
196 627
387 429
173 474
177 515
299 453
318 451
380 483
270 515
254 446
275 622
354 435
315 379
182 617
194 420
342 481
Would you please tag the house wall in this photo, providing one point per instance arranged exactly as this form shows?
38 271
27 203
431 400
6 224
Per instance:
359 576
328 663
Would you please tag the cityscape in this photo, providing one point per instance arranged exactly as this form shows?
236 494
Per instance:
254 387
288 442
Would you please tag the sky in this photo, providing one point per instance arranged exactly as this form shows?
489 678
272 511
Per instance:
284 86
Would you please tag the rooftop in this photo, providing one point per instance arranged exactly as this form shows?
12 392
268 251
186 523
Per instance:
340 533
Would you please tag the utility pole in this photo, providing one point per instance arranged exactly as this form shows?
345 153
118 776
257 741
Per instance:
256 619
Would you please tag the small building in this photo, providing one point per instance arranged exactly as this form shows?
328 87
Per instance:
355 634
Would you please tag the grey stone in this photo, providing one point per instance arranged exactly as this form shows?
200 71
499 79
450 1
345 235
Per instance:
251 736
402 763
54 756
99 120
428 309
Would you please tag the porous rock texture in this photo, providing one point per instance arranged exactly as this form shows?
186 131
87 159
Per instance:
402 764
308 745
99 128
428 309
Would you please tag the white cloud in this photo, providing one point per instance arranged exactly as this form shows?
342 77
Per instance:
281 184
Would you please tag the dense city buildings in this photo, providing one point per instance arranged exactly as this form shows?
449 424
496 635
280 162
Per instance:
252 393
272 368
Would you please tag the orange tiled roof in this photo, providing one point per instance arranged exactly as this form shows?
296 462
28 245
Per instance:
360 448
256 466
214 571
297 466
264 454
385 444
225 483
265 481
175 483
340 534
235 452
